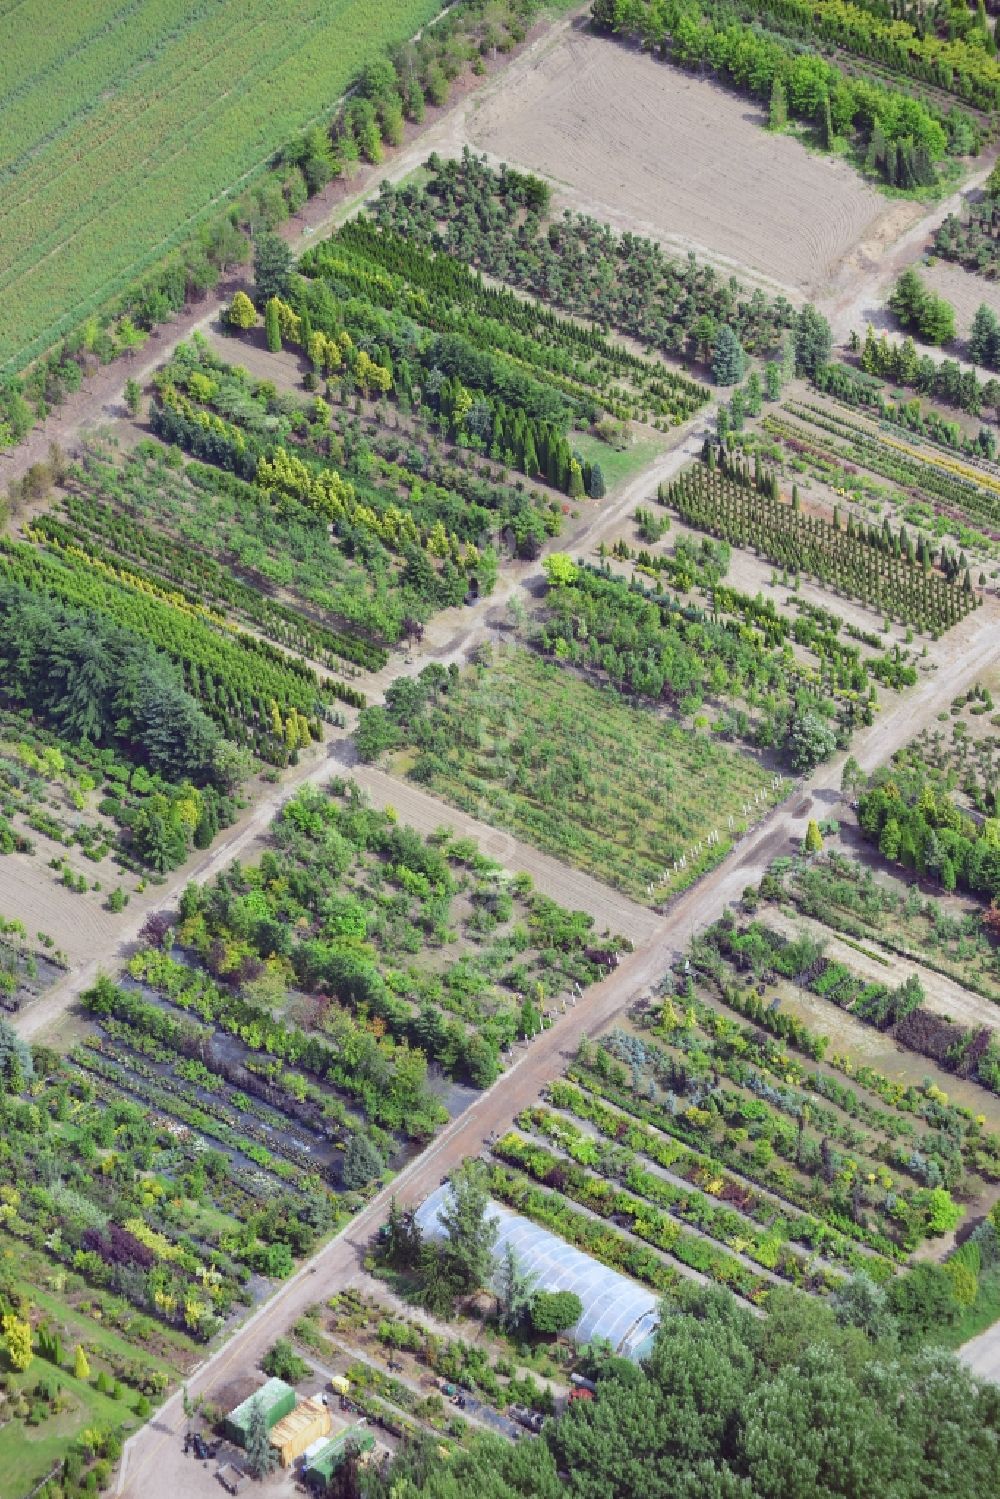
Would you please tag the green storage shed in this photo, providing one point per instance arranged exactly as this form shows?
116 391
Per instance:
277 1397
321 1466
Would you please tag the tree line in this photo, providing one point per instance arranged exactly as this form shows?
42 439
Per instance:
916 824
87 678
898 136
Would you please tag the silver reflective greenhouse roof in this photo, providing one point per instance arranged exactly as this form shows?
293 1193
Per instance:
614 1307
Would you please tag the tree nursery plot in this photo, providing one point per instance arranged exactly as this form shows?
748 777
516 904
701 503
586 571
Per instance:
881 908
717 1133
877 566
621 792
589 373
460 443
27 964
897 1009
127 1232
53 1404
910 810
500 222
270 571
54 795
966 292
130 687
942 494
119 133
888 92
215 1123
944 380
969 238
965 758
789 675
399 948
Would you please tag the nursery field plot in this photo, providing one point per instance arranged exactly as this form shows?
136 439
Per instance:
932 809
802 613
750 574
867 1047
779 674
128 1361
390 266
889 913
391 949
926 1016
266 569
66 809
963 753
846 464
653 150
716 1132
618 791
97 121
28 966
503 223
142 1206
969 1013
420 496
878 566
872 467
356 1331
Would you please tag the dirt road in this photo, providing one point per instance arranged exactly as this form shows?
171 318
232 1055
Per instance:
982 1354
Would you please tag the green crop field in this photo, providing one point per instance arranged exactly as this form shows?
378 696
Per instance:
123 123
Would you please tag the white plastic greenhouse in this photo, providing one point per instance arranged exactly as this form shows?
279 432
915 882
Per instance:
614 1307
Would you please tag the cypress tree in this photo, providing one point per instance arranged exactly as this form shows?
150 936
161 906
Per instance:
825 123
562 465
272 325
529 456
575 485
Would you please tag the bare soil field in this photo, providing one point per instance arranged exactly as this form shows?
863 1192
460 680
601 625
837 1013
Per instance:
655 150
79 925
965 291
